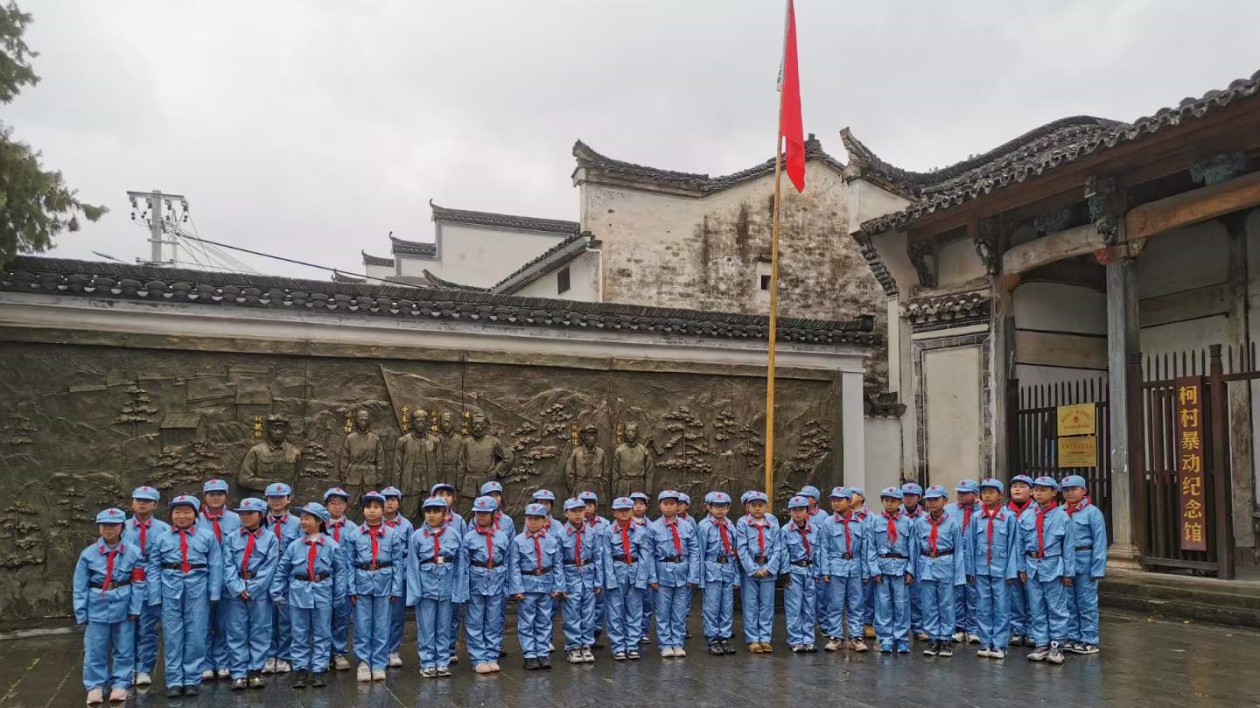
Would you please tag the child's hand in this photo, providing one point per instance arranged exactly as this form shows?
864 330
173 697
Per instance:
909 579
826 578
1023 577
133 618
1010 581
354 599
519 596
971 580
877 579
597 589
656 586
1067 581
787 581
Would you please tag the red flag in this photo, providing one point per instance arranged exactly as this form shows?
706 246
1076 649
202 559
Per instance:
790 107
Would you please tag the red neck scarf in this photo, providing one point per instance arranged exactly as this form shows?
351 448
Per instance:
892 525
1041 520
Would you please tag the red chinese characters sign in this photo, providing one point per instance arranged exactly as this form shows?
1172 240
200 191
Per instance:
1190 462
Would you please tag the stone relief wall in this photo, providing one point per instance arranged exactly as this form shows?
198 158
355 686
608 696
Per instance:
85 425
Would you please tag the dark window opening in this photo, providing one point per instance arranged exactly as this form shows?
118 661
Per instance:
562 281
765 282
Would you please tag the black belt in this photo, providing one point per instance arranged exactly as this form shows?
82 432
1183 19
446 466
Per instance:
938 554
487 565
761 560
846 556
672 559
722 559
802 563
622 559
1084 548
308 579
894 555
1038 554
426 561
578 563
113 584
370 566
537 571
180 566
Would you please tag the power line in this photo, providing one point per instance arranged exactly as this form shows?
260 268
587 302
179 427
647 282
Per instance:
301 263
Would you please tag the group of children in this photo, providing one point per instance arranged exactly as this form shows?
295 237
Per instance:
261 589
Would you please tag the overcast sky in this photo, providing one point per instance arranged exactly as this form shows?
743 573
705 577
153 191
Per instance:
312 128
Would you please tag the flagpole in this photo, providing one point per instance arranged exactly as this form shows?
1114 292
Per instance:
774 271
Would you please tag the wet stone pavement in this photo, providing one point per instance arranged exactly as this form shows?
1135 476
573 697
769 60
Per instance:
1144 663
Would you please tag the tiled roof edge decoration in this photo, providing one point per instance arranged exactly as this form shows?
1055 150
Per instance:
881 272
557 252
1053 145
884 404
412 248
369 259
503 221
442 284
952 310
339 277
73 278
698 182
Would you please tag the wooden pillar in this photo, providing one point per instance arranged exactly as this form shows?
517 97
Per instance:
1241 450
1123 345
1002 369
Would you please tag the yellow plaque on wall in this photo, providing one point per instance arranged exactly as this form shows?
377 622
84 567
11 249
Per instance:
1077 419
1080 451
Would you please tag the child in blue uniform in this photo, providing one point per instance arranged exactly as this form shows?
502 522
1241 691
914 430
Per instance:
896 558
219 520
674 551
494 490
1021 499
991 553
717 573
287 529
483 578
187 566
965 505
627 574
402 526
938 534
598 524
868 589
804 561
583 580
1048 566
849 559
342 529
760 548
375 553
1089 530
108 596
432 571
535 581
311 579
911 506
250 557
138 533
639 516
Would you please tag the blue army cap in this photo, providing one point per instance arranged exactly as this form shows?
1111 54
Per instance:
439 487
622 503
315 509
758 496
641 496
718 498
573 503
112 515
147 493
966 486
435 503
485 504
858 491
535 510
279 489
743 498
252 504
1021 479
992 483
811 492
1046 481
798 502
890 493
184 500
684 498
936 491
393 492
370 496
1072 480
667 494
912 488
489 487
589 496
841 493
544 495
214 485
336 492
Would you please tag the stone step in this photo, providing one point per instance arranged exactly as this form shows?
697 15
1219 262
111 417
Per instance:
1231 615
1223 595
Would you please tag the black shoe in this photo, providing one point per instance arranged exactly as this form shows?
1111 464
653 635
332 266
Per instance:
174 691
299 679
531 664
597 645
503 653
318 680
544 662
687 634
240 684
716 648
932 648
946 649
193 690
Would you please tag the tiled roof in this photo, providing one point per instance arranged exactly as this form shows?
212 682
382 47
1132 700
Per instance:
369 259
553 257
412 248
1035 153
949 310
502 221
433 281
339 277
70 278
692 181
883 405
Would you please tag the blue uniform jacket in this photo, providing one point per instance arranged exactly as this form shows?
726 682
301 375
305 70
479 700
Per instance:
762 551
385 579
803 544
993 554
261 565
293 584
505 524
852 556
674 561
404 526
343 530
286 529
1090 531
534 563
229 522
483 563
897 557
715 564
432 564
1054 556
587 569
203 550
131 537
636 571
947 564
124 597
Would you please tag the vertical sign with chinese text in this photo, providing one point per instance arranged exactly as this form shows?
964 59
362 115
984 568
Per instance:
1190 462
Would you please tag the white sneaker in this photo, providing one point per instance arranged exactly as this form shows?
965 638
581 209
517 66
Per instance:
143 679
282 666
575 657
223 674
680 652
494 667
997 654
118 695
378 675
341 663
984 653
973 638
96 696
833 644
958 636
268 668
207 675
483 669
364 673
395 660
667 652
550 647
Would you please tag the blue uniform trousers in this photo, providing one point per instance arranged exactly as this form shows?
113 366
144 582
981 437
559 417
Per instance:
434 641
936 599
100 641
342 613
916 607
892 610
601 611
483 619
249 634
965 603
281 633
534 624
868 604
1018 596
397 622
845 599
216 644
146 639
671 615
649 608
993 611
800 600
184 634
757 604
624 607
1047 611
312 638
718 609
457 615
1083 609
372 629
579 618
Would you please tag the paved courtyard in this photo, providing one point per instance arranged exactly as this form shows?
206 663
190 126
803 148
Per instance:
1145 663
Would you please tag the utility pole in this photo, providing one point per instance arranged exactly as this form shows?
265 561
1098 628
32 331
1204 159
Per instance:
157 224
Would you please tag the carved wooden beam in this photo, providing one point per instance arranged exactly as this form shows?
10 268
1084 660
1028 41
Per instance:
1192 207
1076 241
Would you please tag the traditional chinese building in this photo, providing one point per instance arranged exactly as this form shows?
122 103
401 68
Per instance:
1096 262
